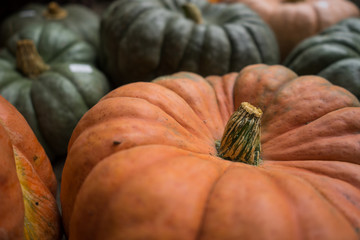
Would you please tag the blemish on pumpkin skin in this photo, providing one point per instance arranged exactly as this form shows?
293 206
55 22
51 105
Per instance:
35 158
115 143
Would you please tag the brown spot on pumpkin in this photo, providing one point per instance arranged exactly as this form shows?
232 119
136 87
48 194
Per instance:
37 203
115 143
35 158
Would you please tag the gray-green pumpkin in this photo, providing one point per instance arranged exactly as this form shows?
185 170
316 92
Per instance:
76 17
140 40
333 54
47 73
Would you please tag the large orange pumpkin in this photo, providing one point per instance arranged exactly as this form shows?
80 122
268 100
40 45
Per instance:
145 162
295 20
28 207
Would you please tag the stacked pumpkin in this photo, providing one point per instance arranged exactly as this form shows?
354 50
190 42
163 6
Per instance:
48 71
205 137
141 40
79 19
28 186
295 20
333 54
169 160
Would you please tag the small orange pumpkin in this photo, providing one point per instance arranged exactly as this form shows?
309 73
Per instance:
146 161
28 207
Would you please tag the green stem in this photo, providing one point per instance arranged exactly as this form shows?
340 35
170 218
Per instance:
28 60
193 12
241 139
54 11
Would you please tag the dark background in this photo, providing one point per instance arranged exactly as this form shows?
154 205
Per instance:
15 5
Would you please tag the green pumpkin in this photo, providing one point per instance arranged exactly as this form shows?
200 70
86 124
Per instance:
333 54
47 73
76 17
140 40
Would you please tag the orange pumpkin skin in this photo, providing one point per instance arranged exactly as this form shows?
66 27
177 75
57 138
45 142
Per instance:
294 20
28 187
142 163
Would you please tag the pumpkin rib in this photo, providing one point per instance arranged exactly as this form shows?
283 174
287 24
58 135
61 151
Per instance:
168 49
65 49
318 18
258 45
237 52
206 96
141 109
12 221
325 103
209 51
71 80
163 47
223 89
88 138
164 108
149 58
126 25
165 99
209 196
321 195
78 58
40 204
265 202
126 157
12 121
192 51
331 169
350 214
60 99
89 178
259 84
43 37
28 112
340 123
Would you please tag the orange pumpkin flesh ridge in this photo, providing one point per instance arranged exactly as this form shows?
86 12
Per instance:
145 165
31 195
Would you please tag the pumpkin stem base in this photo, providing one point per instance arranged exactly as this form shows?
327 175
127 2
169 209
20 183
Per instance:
28 60
54 11
241 139
193 13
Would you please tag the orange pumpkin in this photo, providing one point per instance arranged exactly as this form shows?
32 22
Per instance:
294 20
146 161
28 207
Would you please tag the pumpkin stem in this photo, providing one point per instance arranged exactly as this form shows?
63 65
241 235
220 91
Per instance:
192 12
241 139
54 11
28 60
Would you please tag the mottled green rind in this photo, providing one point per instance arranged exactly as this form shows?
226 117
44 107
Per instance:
81 20
53 102
333 54
141 40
